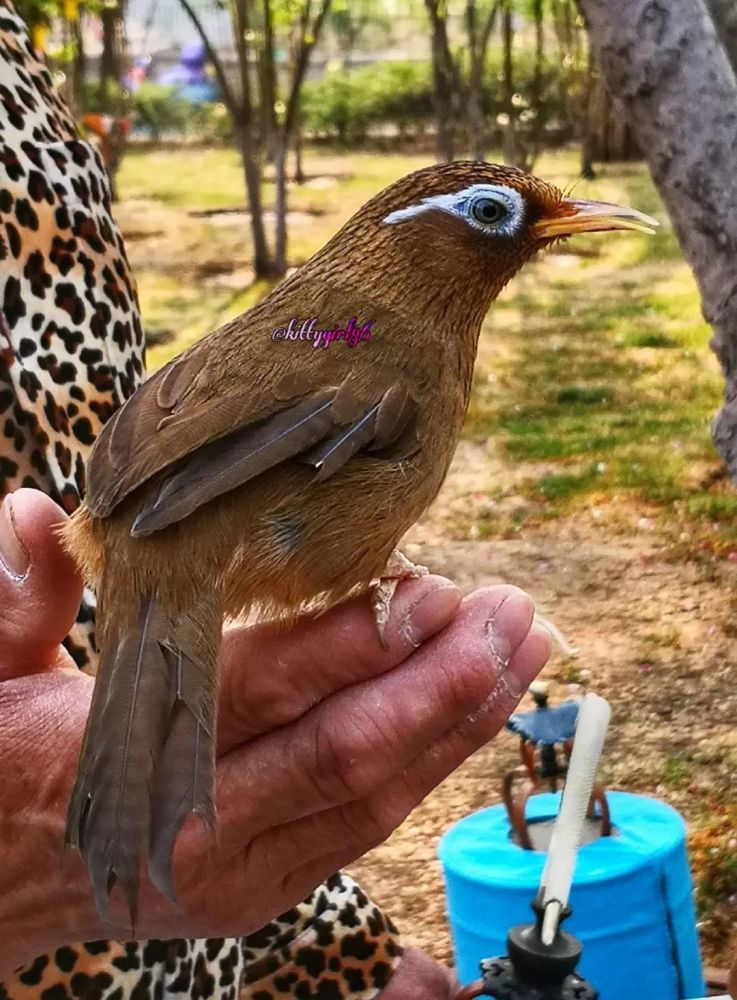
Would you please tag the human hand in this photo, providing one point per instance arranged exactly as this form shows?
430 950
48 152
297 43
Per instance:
326 742
419 977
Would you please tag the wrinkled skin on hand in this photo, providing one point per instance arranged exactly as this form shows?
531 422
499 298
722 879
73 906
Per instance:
326 741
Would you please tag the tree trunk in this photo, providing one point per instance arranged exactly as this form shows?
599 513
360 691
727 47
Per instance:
724 15
474 112
267 83
475 119
587 136
509 144
537 80
443 83
536 132
280 146
79 66
263 264
110 68
478 40
299 170
445 142
663 60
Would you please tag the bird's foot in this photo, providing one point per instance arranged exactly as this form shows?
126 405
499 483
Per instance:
398 567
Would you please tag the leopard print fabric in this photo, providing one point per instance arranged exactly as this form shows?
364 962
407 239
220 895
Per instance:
336 945
71 351
71 344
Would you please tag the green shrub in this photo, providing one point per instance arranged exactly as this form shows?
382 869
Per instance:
346 107
333 107
158 109
400 94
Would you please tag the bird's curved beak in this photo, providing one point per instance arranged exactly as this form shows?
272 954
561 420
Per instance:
571 217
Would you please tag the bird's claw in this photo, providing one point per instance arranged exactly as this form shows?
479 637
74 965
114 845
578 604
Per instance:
398 567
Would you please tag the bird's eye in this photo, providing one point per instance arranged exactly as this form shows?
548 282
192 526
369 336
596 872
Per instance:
488 211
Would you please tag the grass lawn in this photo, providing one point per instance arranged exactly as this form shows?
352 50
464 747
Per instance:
594 379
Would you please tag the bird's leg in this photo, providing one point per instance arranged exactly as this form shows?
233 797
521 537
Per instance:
398 567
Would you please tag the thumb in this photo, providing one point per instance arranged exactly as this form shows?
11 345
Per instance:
40 588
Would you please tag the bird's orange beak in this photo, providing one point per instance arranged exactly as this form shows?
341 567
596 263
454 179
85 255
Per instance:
571 217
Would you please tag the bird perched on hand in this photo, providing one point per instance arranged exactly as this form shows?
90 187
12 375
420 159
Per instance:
250 474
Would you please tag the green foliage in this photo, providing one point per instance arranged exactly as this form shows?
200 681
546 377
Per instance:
158 110
38 11
399 94
334 107
346 107
352 20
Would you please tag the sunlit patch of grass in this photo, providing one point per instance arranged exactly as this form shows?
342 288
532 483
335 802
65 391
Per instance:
602 368
648 339
187 313
563 486
191 179
677 772
584 395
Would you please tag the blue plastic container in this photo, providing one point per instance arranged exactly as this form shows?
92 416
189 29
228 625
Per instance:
632 897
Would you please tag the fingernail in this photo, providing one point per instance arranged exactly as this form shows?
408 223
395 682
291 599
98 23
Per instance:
14 556
513 683
518 676
431 612
505 620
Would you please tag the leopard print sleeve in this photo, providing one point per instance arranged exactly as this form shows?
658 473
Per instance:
336 945
71 344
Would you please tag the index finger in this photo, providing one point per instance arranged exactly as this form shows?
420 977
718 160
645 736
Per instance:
271 677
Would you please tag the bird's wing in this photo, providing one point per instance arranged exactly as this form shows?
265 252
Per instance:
200 446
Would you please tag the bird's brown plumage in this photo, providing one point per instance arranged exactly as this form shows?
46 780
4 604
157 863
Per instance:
252 474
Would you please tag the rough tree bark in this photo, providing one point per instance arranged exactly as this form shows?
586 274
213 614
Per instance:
724 15
663 60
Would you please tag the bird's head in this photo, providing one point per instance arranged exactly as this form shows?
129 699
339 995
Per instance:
453 234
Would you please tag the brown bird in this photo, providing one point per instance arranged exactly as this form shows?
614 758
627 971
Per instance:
255 472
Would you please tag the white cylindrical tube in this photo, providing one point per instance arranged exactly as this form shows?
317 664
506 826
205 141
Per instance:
593 721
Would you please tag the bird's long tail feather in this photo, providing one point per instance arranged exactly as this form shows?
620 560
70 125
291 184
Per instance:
148 757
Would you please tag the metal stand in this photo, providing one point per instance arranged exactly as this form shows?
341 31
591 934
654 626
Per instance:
532 971
543 763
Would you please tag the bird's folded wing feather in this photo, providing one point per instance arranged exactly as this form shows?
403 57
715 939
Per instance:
202 445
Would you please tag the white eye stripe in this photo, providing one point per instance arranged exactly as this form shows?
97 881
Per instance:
459 203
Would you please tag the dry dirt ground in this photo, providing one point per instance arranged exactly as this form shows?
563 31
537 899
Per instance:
652 638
